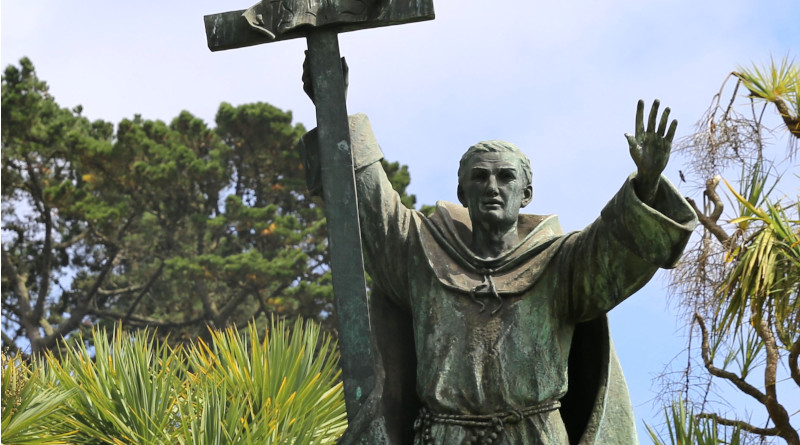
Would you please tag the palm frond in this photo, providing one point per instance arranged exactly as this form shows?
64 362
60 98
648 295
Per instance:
285 388
776 82
127 394
30 410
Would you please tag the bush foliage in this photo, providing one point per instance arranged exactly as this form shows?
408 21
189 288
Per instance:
135 389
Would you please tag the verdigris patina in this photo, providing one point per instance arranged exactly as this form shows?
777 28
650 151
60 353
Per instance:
491 325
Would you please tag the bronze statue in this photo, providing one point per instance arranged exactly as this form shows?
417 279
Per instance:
485 326
490 325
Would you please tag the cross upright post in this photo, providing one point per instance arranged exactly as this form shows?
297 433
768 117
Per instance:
319 22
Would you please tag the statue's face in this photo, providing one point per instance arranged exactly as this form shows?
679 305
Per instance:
493 188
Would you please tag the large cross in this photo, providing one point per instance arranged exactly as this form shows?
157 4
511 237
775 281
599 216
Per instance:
320 21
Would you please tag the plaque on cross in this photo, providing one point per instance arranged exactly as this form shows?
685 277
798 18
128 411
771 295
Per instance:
320 21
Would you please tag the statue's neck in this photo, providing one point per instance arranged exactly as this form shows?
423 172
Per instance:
491 242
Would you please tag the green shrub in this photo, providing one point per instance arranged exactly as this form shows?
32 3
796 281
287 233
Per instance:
137 390
32 412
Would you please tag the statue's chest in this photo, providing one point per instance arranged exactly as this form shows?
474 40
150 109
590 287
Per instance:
484 321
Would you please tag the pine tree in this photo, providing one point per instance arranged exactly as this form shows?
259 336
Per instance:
175 226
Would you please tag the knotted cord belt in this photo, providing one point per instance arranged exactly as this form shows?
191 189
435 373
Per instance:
485 428
486 286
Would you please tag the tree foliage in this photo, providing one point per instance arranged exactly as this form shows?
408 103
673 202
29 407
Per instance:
169 225
739 282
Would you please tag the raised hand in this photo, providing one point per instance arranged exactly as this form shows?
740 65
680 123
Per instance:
650 149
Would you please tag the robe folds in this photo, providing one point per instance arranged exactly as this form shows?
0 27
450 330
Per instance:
465 336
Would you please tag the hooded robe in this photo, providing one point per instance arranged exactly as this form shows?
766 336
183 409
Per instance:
509 334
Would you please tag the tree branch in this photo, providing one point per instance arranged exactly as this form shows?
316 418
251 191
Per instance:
794 353
120 291
742 425
210 311
11 273
222 315
72 241
37 195
147 321
46 265
740 383
114 250
791 122
143 292
776 411
710 221
83 307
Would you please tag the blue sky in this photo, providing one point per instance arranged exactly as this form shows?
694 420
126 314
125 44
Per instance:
559 79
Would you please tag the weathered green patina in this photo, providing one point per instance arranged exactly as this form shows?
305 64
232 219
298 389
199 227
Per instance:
491 325
320 21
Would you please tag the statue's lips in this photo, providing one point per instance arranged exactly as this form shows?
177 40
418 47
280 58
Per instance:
492 205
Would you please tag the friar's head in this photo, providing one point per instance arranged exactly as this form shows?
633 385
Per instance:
494 183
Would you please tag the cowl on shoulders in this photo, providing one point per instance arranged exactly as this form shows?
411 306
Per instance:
444 241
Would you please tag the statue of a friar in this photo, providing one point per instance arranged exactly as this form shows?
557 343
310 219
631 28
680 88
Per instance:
490 324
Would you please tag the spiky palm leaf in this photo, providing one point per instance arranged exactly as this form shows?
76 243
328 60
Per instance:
765 281
778 84
127 395
684 428
233 390
30 411
284 389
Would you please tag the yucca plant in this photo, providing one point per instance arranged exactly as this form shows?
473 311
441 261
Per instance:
684 428
127 394
282 390
31 411
232 390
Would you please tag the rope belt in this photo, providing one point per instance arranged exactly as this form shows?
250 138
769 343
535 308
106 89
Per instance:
486 428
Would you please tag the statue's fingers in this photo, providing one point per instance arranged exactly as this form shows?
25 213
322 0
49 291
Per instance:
671 131
633 146
639 117
651 122
662 126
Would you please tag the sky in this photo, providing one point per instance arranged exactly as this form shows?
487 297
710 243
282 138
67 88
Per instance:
558 79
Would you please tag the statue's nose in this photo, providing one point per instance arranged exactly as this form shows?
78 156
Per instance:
491 186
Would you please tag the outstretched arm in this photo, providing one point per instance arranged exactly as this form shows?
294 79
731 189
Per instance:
650 149
645 226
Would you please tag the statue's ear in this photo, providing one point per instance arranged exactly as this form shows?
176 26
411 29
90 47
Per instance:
527 195
461 197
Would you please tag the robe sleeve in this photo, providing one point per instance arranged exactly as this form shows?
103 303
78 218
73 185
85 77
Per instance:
386 224
620 251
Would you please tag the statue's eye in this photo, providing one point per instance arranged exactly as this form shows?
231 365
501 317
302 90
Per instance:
479 175
507 175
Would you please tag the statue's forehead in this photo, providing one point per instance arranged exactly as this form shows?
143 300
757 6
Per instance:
494 160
